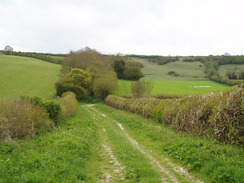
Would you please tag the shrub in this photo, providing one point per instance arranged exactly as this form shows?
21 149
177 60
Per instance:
141 88
171 72
105 85
167 96
133 71
20 118
77 81
52 107
68 104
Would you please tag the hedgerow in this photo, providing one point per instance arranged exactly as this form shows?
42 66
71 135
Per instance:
218 115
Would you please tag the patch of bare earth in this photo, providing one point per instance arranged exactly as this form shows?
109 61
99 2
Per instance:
112 169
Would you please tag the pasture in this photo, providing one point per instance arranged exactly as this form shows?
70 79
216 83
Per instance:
27 76
175 87
186 70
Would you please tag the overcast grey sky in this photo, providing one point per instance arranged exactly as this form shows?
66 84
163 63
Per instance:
158 27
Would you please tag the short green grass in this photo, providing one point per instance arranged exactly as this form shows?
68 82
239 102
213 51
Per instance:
27 76
124 88
186 70
186 87
175 87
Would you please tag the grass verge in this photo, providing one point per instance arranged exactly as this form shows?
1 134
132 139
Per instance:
65 155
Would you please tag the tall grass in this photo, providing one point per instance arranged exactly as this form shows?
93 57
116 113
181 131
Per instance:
217 115
68 104
20 118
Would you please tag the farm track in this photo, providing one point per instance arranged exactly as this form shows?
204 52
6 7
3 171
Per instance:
113 169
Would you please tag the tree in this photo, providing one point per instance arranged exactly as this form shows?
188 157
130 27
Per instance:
105 85
231 74
8 49
241 74
87 59
119 67
77 81
133 71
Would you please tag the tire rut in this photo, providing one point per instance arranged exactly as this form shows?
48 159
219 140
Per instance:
178 170
112 169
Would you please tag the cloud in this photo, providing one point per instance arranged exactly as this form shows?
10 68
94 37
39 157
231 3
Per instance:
189 27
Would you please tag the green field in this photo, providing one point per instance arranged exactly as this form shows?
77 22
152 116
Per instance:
27 76
186 70
175 87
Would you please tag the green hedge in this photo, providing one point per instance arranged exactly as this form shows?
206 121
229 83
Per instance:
217 115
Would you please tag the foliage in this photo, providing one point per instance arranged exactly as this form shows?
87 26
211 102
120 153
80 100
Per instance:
68 104
52 107
77 81
142 106
216 115
87 59
141 88
133 71
232 74
119 67
168 96
20 118
105 85
40 56
161 60
212 64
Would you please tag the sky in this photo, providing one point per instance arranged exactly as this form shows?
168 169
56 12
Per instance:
146 27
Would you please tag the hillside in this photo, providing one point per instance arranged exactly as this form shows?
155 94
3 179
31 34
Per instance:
186 71
230 67
27 76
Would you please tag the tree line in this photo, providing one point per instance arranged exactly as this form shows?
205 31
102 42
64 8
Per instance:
42 56
212 64
88 73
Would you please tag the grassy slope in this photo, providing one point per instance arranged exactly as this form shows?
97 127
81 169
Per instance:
164 83
231 67
190 71
27 76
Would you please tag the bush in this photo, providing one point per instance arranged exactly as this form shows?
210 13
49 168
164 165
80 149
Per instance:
105 85
52 107
68 104
168 96
171 73
77 81
133 71
20 118
141 88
